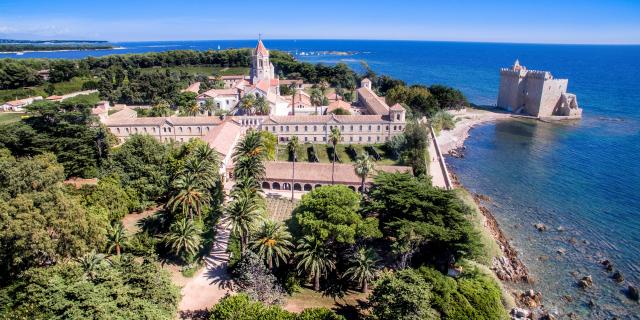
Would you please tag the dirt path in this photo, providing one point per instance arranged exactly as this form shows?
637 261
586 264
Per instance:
131 220
213 282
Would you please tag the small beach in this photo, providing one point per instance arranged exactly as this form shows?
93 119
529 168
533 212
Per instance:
467 119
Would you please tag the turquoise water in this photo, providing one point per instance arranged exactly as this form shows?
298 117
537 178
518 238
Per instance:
582 176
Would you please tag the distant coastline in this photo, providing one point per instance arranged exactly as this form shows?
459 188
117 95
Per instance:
23 46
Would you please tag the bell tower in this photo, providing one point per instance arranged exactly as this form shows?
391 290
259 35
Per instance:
261 67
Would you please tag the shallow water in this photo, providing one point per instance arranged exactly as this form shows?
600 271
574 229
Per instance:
583 176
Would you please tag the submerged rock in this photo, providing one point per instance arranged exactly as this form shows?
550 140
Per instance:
586 282
540 226
632 293
617 276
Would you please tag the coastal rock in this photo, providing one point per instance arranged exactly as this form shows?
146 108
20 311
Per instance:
591 304
607 265
617 276
632 293
585 282
540 226
561 251
560 229
529 299
519 313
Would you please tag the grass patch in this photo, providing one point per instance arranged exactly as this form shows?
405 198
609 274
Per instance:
489 244
9 117
307 298
508 301
201 70
75 84
324 153
280 209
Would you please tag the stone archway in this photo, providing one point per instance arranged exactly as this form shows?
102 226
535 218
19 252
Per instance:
352 188
286 186
266 185
276 186
318 186
308 187
297 187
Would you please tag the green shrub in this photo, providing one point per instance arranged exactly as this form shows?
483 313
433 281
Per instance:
241 307
472 296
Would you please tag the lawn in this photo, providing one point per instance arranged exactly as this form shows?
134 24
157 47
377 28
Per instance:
346 153
308 298
75 84
9 117
280 209
202 70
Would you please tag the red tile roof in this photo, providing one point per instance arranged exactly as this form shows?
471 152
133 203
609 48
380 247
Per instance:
261 49
397 107
374 103
323 119
223 137
194 87
339 104
308 172
263 85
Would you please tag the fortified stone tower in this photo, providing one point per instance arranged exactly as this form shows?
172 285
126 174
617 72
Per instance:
535 93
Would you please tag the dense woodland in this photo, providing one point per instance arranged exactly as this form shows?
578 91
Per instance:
64 251
120 79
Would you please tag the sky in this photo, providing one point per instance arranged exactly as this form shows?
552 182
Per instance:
538 21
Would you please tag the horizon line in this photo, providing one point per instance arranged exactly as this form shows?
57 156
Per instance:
347 39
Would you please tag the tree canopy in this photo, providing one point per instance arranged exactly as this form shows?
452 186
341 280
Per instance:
331 213
119 289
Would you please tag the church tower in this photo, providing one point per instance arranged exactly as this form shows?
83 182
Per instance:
261 67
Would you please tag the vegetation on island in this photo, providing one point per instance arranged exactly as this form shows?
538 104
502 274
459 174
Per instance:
21 47
64 250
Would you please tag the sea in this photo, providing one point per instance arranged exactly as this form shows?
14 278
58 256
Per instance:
579 178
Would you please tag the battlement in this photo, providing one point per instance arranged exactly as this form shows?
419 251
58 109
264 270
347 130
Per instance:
536 74
513 73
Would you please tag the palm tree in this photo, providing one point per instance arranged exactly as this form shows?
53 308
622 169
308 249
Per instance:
189 195
272 242
249 155
209 107
316 98
363 267
183 239
242 213
363 167
90 263
248 103
334 137
315 258
292 147
202 165
262 106
117 237
246 185
192 110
